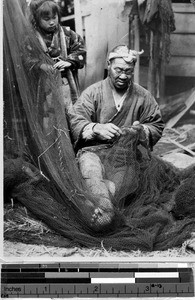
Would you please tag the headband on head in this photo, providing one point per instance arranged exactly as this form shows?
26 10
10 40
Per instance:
129 56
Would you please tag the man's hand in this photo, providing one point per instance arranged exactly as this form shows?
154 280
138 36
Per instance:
61 65
140 130
107 131
136 130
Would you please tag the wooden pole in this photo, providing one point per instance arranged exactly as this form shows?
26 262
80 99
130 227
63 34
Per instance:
136 47
153 80
151 68
131 33
78 18
162 67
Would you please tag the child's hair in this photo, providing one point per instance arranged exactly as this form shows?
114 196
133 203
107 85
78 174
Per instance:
43 8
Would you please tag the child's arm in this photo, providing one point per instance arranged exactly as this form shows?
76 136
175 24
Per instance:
34 58
75 49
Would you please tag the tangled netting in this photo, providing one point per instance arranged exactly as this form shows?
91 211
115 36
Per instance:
41 172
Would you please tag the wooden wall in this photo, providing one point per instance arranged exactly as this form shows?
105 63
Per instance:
104 24
182 61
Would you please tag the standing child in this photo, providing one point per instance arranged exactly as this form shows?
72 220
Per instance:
65 48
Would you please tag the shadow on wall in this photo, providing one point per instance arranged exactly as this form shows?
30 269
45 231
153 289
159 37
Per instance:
176 85
106 24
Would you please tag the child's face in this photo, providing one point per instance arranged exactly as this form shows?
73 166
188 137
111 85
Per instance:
49 23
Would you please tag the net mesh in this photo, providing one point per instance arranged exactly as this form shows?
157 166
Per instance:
41 172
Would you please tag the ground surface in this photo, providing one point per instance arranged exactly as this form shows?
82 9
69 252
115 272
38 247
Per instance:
167 150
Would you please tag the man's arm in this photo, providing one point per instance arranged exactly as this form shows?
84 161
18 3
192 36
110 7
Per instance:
83 119
104 132
82 114
151 119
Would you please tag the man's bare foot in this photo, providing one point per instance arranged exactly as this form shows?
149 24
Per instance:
101 218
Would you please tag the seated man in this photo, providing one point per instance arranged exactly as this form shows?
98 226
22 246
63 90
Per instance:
104 114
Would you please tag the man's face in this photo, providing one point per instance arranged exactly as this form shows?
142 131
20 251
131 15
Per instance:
121 73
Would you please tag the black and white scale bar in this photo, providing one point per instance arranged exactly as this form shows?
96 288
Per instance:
96 280
95 267
126 268
95 277
97 290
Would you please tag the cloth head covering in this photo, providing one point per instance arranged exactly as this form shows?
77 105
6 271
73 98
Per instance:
124 52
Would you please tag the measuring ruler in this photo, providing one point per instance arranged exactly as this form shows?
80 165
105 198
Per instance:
96 279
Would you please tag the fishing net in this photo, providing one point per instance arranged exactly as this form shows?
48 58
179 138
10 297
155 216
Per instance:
41 170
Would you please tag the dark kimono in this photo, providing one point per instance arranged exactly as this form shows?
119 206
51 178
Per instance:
66 45
96 104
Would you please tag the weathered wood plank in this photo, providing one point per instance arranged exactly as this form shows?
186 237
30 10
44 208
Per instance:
183 7
78 17
67 18
183 44
181 66
181 97
105 27
179 149
179 145
189 102
184 23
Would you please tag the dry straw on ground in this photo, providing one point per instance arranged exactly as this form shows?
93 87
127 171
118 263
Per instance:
19 219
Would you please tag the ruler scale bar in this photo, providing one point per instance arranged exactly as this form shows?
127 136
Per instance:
100 289
96 280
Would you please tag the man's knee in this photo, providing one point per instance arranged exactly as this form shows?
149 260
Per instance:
90 165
